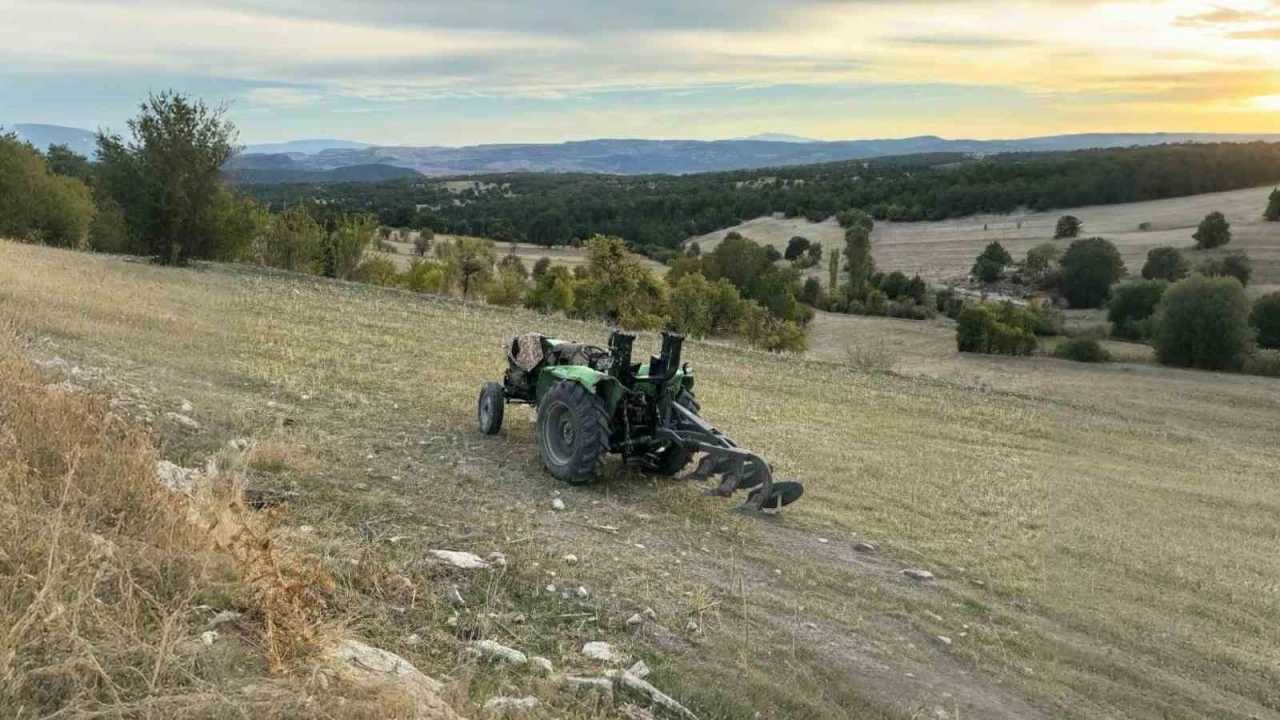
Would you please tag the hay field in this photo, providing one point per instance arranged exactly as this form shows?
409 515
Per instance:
569 257
1103 539
944 251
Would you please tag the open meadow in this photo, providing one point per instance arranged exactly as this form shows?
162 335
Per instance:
944 251
1104 540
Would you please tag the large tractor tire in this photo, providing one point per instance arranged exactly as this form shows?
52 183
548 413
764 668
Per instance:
573 432
669 461
490 407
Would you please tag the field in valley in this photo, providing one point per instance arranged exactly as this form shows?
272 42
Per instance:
945 250
564 255
1104 538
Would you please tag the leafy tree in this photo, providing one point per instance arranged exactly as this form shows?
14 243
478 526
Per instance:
833 269
552 291
893 284
166 178
746 265
1265 320
1236 265
468 262
855 218
1132 304
540 268
376 270
1042 258
694 250
1165 263
68 163
814 254
109 233
997 329
548 229
1069 226
857 252
513 264
989 266
618 287
509 287
502 230
915 289
342 248
1272 213
292 241
424 276
239 220
1082 349
1089 268
1203 322
38 206
422 243
772 254
426 219
1214 231
811 292
796 247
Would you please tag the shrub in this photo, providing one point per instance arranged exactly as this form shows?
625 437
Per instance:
1045 318
1041 258
1144 226
618 287
1068 227
916 289
292 241
553 291
1265 320
811 292
1262 362
949 303
855 218
909 310
990 265
1082 349
1272 213
424 276
1089 267
1214 231
376 270
892 284
422 243
796 247
38 206
507 289
1236 265
753 322
108 233
1003 329
784 336
468 262
342 249
513 264
1165 263
1131 304
540 268
1203 322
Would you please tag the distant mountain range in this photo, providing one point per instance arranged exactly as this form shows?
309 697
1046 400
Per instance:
324 160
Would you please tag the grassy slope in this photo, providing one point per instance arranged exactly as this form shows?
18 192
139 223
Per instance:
945 250
1104 537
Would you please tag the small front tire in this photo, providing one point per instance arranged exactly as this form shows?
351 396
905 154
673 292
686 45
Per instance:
489 408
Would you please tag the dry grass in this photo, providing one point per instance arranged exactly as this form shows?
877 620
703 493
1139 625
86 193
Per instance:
563 255
1103 535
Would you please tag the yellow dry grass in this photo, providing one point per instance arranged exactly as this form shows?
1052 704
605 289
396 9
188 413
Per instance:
1104 537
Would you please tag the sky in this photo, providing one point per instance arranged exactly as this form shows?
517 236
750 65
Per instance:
459 72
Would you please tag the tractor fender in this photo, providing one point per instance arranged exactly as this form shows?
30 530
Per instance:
597 383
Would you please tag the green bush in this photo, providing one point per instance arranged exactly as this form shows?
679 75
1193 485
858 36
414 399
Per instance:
507 289
342 249
1003 329
422 243
540 268
784 336
1236 265
1082 349
1042 258
553 291
38 206
1165 263
855 218
1131 304
1214 231
376 270
1046 319
1272 213
292 241
1089 267
1068 227
619 288
1203 322
1265 320
1262 362
424 276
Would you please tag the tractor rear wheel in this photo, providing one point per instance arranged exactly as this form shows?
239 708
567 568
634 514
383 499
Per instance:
489 408
573 432
672 459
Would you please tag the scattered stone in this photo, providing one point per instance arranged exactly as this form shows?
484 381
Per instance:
496 652
582 593
916 574
865 547
824 541
692 626
187 407
362 486
944 640
570 559
543 665
635 620
603 652
452 621
464 560
640 670
650 614
933 616
454 597
603 685
224 617
371 666
557 504
182 420
413 640
607 528
810 626
175 477
497 559
638 685
208 637
504 704
551 588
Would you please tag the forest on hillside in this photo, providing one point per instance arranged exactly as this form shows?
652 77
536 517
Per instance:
660 211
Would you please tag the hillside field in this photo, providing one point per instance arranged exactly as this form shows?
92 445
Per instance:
944 251
1103 538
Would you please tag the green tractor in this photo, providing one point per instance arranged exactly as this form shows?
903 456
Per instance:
592 401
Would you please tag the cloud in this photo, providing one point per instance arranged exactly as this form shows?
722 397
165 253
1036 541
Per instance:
283 97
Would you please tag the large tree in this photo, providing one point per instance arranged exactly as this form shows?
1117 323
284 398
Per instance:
1214 231
167 177
1272 213
37 205
1203 322
1089 268
857 252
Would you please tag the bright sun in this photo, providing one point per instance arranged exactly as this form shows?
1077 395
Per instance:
1268 102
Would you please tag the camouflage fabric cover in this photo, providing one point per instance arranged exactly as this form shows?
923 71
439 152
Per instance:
529 351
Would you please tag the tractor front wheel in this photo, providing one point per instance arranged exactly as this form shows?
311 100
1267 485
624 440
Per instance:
573 432
489 408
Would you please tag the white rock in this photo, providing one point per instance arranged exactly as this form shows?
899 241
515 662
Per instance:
464 560
944 640
496 652
208 637
413 640
454 597
810 626
917 574
640 670
603 652
497 559
635 620
175 477
370 666
656 696
824 541
505 704
650 614
603 685
183 420
570 559
187 407
692 626
551 588
543 665
582 593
